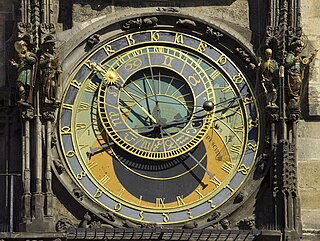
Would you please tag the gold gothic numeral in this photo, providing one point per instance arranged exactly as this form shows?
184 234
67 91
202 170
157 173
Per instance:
193 80
81 175
214 74
180 201
117 207
155 36
253 123
211 203
235 148
109 50
167 61
160 202
81 126
91 87
67 106
227 89
104 179
222 60
65 130
227 167
130 39
238 79
141 217
178 39
252 147
75 84
91 164
165 217
70 154
202 47
83 106
199 193
215 181
98 193
243 169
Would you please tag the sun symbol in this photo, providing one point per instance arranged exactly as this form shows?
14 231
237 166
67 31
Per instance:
110 77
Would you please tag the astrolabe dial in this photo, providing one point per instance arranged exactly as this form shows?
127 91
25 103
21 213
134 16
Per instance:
155 109
159 126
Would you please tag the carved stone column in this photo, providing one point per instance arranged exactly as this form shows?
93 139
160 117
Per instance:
48 119
26 117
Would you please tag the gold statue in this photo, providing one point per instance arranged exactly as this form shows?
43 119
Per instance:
269 72
295 65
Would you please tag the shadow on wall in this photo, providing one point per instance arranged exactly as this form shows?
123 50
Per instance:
66 8
258 12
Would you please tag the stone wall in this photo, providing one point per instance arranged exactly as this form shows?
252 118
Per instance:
308 147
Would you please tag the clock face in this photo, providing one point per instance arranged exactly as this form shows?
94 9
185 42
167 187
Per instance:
159 127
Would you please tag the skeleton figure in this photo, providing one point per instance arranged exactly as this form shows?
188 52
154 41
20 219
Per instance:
269 71
26 72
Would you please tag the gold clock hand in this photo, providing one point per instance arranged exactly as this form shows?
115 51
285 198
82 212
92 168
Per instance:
156 98
94 150
140 106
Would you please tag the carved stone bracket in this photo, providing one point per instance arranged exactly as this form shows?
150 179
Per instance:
63 224
246 223
169 9
78 193
27 113
245 57
140 22
214 34
186 23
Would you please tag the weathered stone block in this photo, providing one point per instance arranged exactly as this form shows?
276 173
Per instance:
308 130
308 175
310 218
310 198
308 149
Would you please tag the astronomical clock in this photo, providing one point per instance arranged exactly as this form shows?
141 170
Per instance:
159 123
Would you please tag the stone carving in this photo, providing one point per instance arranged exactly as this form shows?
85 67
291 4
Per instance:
169 9
245 57
47 28
59 166
78 193
26 66
63 224
295 64
139 22
108 216
246 223
240 197
269 77
186 23
129 224
93 40
149 225
50 71
190 225
88 223
215 214
225 223
215 35
27 114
